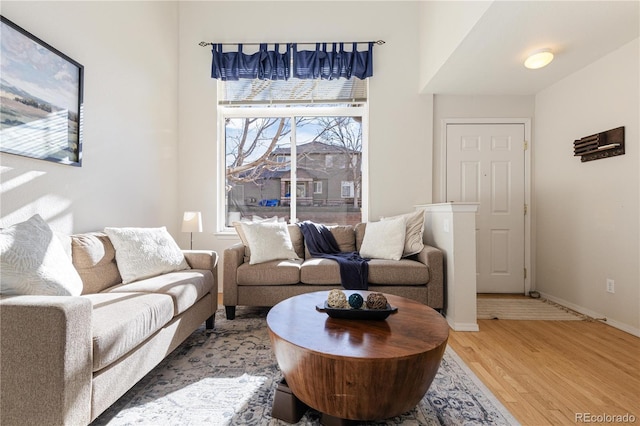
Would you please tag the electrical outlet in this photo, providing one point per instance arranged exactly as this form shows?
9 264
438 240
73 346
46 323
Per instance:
611 286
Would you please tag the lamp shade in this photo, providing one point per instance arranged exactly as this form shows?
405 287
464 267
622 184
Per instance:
192 222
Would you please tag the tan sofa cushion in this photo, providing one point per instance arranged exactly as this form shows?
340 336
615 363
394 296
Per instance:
95 260
382 272
185 287
320 271
121 321
399 272
276 272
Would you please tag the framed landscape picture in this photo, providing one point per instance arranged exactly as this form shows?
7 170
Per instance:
41 98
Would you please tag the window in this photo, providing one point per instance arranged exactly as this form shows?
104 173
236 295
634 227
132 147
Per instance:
328 160
347 189
283 142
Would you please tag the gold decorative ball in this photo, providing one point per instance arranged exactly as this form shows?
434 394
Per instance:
376 301
337 299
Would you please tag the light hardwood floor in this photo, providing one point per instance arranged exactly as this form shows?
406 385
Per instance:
555 372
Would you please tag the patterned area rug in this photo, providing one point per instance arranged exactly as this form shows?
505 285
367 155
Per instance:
524 309
229 377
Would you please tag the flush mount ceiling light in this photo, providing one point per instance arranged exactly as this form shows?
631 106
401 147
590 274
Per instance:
539 59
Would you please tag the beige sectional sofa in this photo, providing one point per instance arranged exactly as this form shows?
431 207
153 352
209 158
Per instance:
418 277
65 359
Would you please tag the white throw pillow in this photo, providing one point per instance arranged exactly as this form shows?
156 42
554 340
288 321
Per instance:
414 229
268 241
145 252
34 262
256 219
384 239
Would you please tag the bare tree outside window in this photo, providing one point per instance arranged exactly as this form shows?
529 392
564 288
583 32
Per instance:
346 134
249 144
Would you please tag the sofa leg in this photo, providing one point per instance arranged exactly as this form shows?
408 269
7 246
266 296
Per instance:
231 312
209 324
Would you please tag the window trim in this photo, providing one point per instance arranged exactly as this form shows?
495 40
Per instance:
224 112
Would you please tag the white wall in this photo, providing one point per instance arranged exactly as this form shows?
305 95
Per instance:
400 151
443 26
129 171
588 213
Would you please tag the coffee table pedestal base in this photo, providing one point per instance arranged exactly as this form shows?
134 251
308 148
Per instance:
327 420
286 406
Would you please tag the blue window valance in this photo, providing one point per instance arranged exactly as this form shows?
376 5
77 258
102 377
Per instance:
331 64
264 64
322 63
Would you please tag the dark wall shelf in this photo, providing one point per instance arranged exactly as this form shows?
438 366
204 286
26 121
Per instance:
601 145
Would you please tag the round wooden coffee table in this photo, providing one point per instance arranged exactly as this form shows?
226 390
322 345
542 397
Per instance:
357 369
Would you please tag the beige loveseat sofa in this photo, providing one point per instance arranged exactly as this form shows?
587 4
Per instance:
65 359
419 276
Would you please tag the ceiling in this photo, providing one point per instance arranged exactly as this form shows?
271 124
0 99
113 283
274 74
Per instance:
489 61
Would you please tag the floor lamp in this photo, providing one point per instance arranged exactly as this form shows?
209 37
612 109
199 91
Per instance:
192 222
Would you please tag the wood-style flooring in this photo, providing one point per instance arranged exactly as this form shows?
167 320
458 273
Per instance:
556 372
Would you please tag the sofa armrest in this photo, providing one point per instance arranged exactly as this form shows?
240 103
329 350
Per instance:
46 359
434 259
233 258
202 259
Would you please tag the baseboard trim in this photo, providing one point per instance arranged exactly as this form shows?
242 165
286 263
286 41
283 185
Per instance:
463 326
596 315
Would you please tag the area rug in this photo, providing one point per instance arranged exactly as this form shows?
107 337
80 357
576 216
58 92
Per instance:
524 309
229 377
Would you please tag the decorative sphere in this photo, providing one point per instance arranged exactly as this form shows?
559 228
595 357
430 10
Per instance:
337 299
356 301
376 301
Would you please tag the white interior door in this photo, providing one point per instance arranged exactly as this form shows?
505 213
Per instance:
486 164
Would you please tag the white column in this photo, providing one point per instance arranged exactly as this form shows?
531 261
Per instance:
451 227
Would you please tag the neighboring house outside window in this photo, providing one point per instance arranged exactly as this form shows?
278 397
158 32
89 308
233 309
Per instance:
315 148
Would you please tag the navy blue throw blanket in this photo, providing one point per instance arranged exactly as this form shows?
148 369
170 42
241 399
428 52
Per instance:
354 270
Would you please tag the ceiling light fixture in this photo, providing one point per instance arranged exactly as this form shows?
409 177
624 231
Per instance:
538 59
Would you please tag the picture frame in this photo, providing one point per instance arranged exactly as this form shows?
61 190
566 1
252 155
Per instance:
41 91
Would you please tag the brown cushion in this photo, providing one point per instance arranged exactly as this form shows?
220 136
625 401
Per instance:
297 240
185 287
344 235
320 271
359 231
399 272
121 321
275 272
95 260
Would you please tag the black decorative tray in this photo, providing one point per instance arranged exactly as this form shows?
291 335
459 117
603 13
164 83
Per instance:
360 314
